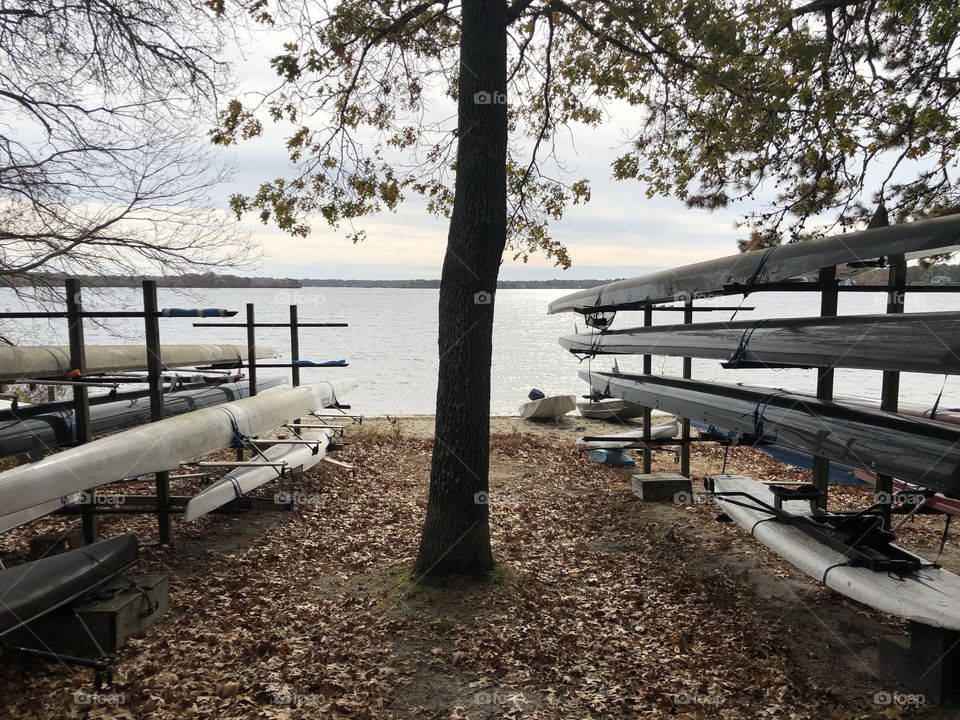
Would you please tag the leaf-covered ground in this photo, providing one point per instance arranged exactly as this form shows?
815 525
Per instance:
601 606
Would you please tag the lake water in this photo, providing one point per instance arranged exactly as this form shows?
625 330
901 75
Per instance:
391 343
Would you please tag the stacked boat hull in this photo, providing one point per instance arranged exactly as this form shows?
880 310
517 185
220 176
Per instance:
930 595
162 445
53 361
738 273
243 480
923 452
40 428
916 342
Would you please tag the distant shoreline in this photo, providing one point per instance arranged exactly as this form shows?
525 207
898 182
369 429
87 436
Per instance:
940 273
435 284
209 280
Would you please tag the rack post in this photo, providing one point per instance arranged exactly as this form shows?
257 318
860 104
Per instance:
829 296
687 373
647 413
294 345
81 398
154 367
251 350
890 389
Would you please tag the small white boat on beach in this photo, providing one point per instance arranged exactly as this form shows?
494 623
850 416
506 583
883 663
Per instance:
547 408
609 409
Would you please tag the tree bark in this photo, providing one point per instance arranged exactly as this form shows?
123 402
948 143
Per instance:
456 532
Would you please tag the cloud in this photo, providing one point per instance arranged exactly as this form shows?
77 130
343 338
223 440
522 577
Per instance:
619 229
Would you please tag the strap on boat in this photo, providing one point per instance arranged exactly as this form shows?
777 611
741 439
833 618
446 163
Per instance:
237 492
826 572
239 440
760 265
243 441
761 408
760 522
69 422
592 351
753 279
738 354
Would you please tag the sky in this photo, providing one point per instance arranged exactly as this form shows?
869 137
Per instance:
619 233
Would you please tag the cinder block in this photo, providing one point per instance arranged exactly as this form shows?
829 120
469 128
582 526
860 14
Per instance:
54 543
661 486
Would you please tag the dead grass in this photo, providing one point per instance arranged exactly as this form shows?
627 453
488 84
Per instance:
601 607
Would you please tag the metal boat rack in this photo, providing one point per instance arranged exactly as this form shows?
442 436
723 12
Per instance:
929 660
827 284
295 365
162 504
251 325
151 314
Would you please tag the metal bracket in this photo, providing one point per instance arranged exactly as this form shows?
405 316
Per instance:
356 419
239 464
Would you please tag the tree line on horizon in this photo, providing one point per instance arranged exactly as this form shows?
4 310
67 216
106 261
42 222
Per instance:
212 280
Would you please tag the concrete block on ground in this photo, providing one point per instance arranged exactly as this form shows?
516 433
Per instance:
661 486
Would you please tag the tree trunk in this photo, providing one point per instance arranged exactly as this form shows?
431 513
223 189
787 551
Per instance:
456 532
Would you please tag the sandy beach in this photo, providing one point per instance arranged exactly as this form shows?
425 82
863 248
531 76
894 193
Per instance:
601 605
